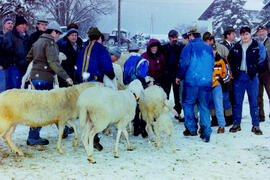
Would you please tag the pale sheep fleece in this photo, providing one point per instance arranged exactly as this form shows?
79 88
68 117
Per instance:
151 104
38 108
164 124
101 106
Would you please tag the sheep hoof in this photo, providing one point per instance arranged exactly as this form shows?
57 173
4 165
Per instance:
116 156
61 151
91 161
19 153
75 144
130 148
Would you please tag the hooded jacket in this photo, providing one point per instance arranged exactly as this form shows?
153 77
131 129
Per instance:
156 61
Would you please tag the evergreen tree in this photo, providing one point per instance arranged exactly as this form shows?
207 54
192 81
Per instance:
265 13
229 13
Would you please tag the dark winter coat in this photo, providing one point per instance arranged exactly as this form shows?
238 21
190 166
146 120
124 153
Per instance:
227 45
66 47
256 59
1 49
196 64
171 54
45 57
156 61
96 60
34 37
15 49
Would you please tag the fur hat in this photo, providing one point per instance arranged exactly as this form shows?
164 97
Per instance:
6 20
93 31
72 25
20 20
116 51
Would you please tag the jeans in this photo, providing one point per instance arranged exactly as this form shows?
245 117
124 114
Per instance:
191 96
216 97
13 77
226 101
242 84
264 80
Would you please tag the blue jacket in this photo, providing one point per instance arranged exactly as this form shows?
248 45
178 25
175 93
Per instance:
256 59
196 64
96 60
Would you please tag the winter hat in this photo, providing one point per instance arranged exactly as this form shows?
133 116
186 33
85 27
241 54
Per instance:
173 33
185 36
260 28
6 20
42 20
20 20
54 26
72 25
116 51
93 31
245 29
72 30
193 31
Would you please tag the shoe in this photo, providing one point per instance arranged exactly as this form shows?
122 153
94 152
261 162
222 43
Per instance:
221 130
229 120
262 119
235 128
137 131
179 118
214 121
200 131
39 141
204 138
144 133
256 130
188 133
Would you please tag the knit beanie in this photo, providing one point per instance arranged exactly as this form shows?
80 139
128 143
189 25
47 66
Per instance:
6 20
116 51
72 30
20 20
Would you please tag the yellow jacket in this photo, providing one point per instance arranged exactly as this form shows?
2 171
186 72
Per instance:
222 72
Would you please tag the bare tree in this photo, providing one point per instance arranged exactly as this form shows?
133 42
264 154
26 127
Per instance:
76 11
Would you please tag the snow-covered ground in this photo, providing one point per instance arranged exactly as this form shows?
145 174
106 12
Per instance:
241 155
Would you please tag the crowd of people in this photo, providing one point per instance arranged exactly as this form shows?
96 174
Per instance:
208 79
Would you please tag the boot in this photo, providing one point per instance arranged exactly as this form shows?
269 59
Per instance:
97 145
214 121
34 139
256 130
229 120
235 128
188 133
204 137
220 130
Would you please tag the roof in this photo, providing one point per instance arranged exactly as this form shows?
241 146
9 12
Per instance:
208 13
266 6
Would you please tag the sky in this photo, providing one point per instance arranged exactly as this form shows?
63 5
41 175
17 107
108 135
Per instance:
159 16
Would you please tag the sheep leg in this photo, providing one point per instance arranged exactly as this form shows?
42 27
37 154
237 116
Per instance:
73 125
119 131
125 133
90 149
158 139
61 127
11 144
171 143
149 132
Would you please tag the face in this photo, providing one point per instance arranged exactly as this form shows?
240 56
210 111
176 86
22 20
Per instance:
114 58
73 38
246 37
185 41
173 40
262 34
154 49
41 26
21 28
56 35
8 25
231 37
191 37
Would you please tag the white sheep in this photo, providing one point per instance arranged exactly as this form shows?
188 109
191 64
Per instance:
38 108
164 124
101 106
26 77
151 104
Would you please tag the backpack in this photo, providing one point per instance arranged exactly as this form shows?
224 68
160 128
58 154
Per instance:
135 67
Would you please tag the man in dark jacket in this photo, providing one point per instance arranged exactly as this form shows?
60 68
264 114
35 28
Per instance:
7 26
16 46
229 38
247 58
70 45
40 29
171 52
264 78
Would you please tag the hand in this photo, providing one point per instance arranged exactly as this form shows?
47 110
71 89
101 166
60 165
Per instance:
1 67
69 81
177 81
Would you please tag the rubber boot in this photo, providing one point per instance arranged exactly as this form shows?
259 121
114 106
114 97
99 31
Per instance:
34 138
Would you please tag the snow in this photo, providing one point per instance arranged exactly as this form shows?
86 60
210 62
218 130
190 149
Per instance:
240 155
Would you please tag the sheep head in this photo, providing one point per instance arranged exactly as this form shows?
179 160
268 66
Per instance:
136 88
